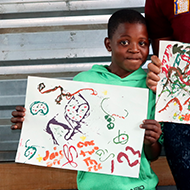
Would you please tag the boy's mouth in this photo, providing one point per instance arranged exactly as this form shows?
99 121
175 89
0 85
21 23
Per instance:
133 58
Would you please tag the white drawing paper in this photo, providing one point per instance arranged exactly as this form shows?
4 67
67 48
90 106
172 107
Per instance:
173 90
83 126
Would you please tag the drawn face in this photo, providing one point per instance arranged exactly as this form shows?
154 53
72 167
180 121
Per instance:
129 47
77 108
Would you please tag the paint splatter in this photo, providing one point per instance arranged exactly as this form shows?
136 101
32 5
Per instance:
39 158
83 138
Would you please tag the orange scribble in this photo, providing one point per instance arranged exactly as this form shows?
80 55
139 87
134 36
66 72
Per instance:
47 155
86 143
172 100
54 157
89 161
88 152
95 167
186 117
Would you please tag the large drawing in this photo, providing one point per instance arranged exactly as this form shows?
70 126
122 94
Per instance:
83 126
173 90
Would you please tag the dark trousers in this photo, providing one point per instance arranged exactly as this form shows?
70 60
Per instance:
177 148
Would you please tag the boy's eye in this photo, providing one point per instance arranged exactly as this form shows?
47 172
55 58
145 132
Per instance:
142 43
124 43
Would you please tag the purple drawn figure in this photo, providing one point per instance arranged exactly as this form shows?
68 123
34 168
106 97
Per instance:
75 112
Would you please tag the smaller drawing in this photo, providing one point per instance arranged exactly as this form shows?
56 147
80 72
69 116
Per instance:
122 138
30 150
75 112
101 153
68 95
110 118
131 163
53 158
38 107
67 150
173 88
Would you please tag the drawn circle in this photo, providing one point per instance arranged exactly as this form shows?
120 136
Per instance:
110 125
121 139
39 107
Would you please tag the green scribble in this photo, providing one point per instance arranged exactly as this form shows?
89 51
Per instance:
30 150
121 138
39 107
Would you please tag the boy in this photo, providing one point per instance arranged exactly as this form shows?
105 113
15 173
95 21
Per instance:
129 45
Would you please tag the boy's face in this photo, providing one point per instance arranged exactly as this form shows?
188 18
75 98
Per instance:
129 46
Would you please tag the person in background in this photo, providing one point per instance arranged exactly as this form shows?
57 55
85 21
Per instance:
170 20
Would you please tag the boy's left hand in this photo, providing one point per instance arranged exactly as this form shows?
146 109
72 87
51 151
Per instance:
152 131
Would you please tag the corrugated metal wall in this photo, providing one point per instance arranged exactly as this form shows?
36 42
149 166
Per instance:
55 38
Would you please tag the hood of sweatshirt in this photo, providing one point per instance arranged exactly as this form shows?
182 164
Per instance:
100 74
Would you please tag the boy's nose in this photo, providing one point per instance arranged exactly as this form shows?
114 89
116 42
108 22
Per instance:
133 48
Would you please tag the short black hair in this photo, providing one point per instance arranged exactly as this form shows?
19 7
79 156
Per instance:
124 16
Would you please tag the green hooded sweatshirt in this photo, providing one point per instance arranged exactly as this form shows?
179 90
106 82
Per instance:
147 178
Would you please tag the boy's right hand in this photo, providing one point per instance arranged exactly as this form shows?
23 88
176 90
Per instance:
18 117
153 71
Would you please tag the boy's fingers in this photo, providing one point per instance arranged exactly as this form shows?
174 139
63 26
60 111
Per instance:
18 113
16 126
153 68
17 119
151 125
151 121
153 77
157 62
20 108
152 80
152 133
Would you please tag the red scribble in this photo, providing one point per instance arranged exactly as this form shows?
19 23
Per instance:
86 143
185 58
112 166
165 70
115 115
186 101
69 156
166 58
68 95
122 154
168 70
167 51
172 100
20 142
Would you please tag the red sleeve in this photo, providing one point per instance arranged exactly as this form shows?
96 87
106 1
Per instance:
158 24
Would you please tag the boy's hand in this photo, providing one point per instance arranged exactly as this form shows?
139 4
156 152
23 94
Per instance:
18 117
152 76
152 131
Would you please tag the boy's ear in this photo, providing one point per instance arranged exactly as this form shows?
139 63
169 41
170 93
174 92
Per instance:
107 44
